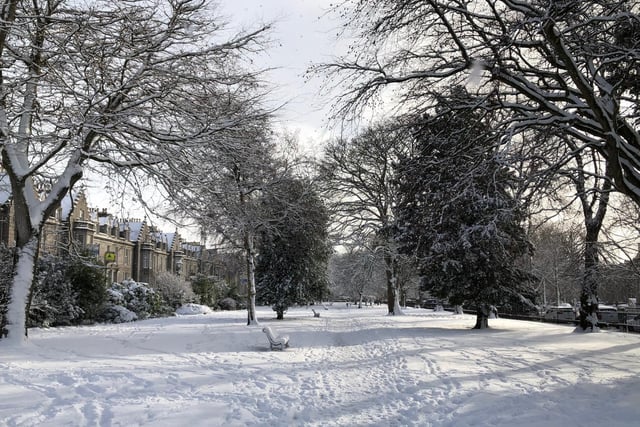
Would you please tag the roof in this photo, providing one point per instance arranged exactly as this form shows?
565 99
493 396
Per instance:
135 228
170 237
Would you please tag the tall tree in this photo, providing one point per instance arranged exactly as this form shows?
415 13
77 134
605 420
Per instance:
568 65
293 255
459 214
593 190
570 175
126 84
358 182
222 188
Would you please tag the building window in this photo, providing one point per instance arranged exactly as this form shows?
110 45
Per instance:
145 260
93 250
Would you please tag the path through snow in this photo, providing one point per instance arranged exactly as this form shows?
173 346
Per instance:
349 367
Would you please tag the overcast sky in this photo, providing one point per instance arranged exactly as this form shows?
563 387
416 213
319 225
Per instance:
304 33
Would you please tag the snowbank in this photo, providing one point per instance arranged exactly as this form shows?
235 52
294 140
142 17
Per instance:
189 309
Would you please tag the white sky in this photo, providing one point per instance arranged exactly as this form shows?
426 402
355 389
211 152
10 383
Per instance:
304 33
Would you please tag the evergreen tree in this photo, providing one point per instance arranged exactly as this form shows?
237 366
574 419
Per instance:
68 291
205 288
88 280
457 213
293 256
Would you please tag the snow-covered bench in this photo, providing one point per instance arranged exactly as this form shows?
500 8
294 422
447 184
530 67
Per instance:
280 342
315 313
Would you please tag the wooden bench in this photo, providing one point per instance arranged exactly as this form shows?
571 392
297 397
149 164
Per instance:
278 342
315 313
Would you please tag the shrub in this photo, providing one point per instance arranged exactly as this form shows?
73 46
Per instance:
227 304
139 298
118 314
66 291
54 301
174 290
89 281
207 289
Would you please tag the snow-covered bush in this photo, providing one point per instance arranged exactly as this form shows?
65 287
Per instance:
54 300
139 298
227 304
190 309
89 282
174 290
67 291
118 314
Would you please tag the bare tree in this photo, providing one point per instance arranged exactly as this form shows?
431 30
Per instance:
359 274
226 186
125 84
357 177
570 66
556 262
223 190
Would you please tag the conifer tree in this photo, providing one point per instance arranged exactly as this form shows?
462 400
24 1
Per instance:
293 256
459 215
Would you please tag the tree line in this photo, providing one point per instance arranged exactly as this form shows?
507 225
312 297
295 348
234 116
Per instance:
520 111
496 113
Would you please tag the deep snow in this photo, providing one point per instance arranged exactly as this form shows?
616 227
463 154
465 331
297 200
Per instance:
350 367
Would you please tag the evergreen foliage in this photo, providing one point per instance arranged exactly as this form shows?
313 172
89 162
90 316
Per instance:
212 291
293 256
459 216
67 291
228 303
137 297
205 289
6 273
54 300
89 282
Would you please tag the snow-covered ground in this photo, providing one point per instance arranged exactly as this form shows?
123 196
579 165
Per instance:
349 367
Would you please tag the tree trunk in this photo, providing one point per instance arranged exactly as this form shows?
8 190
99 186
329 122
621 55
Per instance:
279 314
393 295
390 297
593 224
251 279
20 293
589 293
482 316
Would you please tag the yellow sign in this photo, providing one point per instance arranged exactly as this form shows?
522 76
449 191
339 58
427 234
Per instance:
110 257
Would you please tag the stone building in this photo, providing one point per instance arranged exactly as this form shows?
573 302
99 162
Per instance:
127 248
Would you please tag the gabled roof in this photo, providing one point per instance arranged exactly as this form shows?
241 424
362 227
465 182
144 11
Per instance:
170 237
135 229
